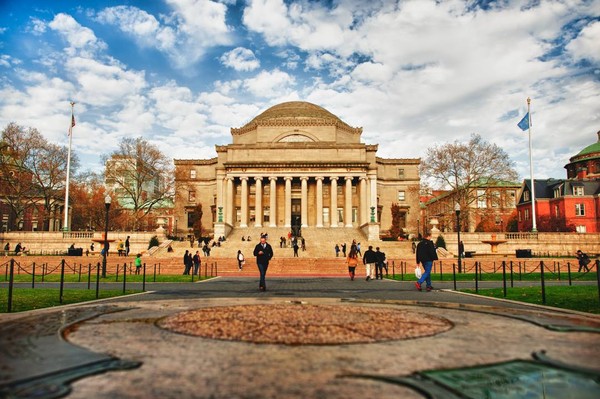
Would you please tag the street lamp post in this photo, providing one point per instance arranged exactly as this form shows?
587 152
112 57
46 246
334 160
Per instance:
107 200
457 210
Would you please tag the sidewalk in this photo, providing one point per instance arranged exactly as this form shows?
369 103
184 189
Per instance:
303 338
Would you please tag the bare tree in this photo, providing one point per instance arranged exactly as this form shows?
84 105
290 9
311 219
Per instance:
140 175
466 167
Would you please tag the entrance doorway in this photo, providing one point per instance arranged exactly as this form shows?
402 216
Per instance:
296 221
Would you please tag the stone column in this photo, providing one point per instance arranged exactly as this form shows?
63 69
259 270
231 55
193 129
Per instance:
230 208
333 194
304 205
244 210
319 201
364 201
348 202
258 211
373 202
288 201
273 202
220 197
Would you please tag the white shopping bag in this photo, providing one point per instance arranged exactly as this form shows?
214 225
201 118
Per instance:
418 272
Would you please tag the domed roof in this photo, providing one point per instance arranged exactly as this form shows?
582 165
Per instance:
590 149
295 109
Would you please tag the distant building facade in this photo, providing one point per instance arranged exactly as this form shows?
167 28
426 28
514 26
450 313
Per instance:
297 166
566 203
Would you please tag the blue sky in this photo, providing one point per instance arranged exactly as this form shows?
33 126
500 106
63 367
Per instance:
181 73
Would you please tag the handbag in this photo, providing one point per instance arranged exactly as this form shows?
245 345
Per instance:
418 272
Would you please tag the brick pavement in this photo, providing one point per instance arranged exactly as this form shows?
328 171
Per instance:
123 333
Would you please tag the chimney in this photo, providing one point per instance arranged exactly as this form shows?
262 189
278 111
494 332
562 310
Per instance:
581 173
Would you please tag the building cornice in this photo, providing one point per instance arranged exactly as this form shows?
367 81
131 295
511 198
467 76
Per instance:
296 122
210 161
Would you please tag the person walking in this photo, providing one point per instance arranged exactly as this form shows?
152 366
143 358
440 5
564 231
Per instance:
369 260
127 246
426 254
138 263
196 260
240 259
263 253
344 249
186 263
337 250
584 261
380 264
352 261
296 249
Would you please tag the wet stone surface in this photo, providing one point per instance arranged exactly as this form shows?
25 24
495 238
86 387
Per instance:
300 324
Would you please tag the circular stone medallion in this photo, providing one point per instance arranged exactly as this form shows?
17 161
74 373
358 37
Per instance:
295 324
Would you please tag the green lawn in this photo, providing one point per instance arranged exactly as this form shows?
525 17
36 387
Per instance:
28 298
581 298
73 278
498 276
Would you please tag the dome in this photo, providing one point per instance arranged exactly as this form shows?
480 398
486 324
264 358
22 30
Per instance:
297 110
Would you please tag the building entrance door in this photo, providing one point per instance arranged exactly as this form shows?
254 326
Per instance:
296 217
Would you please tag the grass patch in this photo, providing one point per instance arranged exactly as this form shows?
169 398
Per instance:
38 298
133 278
590 276
583 298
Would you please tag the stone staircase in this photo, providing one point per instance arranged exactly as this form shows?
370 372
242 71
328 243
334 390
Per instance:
320 243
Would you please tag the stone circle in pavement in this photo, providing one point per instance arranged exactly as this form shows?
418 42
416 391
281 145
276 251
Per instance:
301 324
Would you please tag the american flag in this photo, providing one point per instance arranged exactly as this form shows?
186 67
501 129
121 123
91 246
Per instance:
72 124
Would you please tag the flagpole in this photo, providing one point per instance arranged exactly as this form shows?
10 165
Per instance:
66 221
534 226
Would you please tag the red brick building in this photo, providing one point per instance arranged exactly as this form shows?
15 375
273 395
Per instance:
571 204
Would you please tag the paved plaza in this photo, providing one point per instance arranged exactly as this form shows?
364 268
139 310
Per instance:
303 338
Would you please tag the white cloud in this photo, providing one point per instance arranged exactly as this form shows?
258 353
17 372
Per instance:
240 59
270 84
586 45
82 40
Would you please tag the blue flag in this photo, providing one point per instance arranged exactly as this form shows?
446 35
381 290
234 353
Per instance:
524 124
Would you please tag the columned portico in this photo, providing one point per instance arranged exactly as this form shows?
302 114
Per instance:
364 201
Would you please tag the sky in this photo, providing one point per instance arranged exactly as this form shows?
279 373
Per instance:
412 74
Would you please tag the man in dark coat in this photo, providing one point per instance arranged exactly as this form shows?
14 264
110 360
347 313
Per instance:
263 253
426 254
187 262
380 264
370 262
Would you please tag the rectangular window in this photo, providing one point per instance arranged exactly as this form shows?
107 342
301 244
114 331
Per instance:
495 199
192 174
238 214
401 196
326 215
192 196
191 219
325 191
354 215
340 215
580 229
266 215
526 214
579 209
481 200
557 211
510 198
401 173
578 191
252 215
525 195
557 192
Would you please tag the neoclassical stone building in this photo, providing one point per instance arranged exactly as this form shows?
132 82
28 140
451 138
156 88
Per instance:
297 166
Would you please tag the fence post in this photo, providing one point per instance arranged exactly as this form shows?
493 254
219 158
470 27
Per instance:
124 276
543 282
559 271
504 277
89 275
520 276
216 268
511 275
10 278
79 280
97 279
117 278
476 279
62 280
598 277
44 268
33 276
569 272
144 279
441 271
155 272
454 275
393 270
